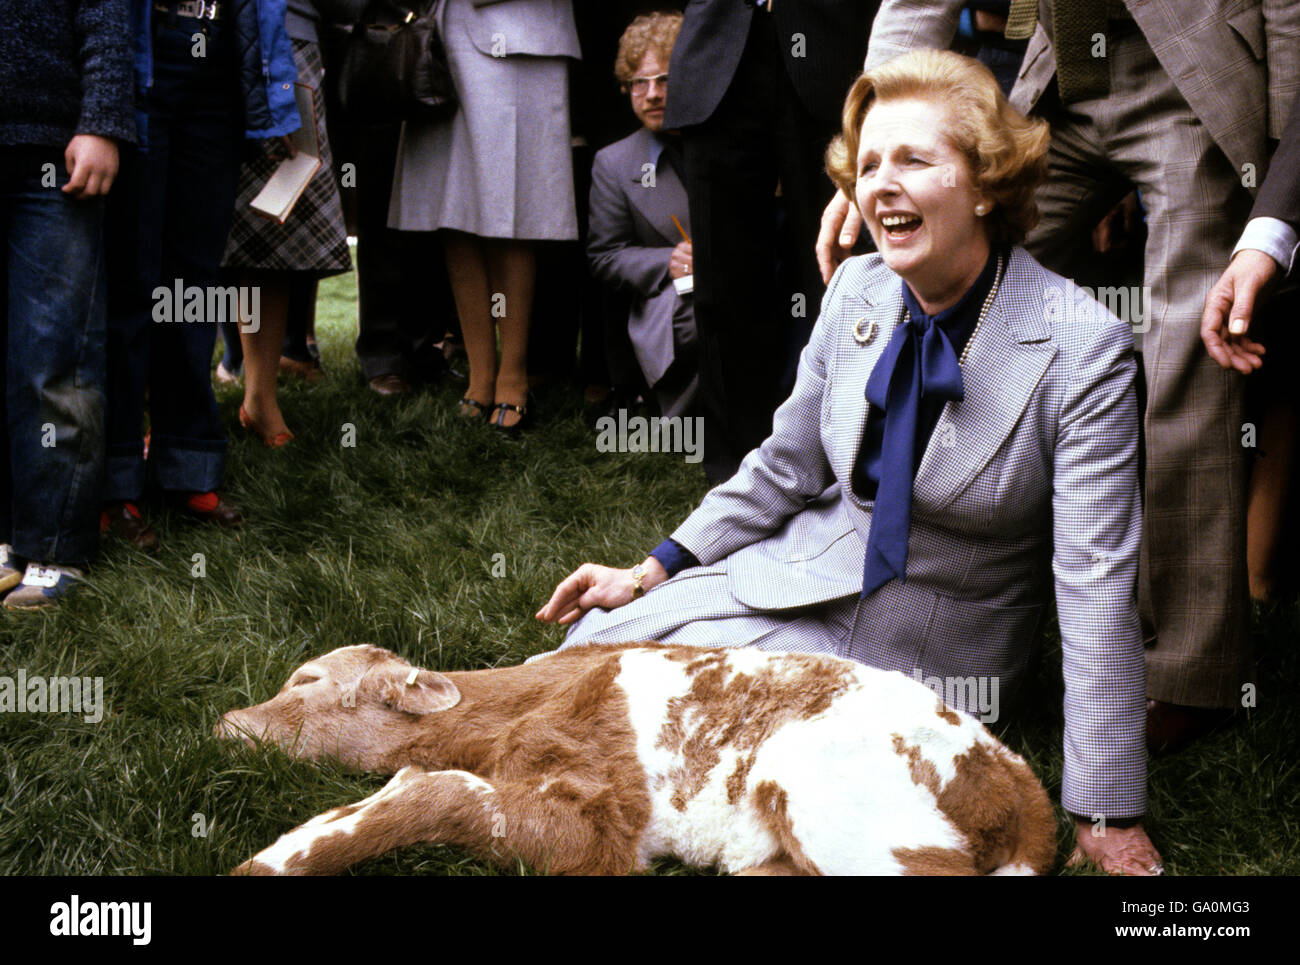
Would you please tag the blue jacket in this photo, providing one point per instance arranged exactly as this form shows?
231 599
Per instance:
266 68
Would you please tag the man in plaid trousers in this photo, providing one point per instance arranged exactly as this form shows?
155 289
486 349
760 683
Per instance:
1179 99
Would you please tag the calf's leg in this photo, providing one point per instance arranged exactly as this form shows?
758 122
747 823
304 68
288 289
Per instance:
500 823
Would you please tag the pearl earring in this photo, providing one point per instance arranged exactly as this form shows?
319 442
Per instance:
981 209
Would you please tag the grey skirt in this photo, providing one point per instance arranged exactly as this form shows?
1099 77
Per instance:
697 609
502 167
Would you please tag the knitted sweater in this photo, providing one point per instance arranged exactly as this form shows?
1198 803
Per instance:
65 69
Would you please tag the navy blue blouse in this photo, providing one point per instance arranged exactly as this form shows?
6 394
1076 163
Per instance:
959 323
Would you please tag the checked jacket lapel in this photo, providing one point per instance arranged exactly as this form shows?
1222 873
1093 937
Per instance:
667 197
883 308
1008 358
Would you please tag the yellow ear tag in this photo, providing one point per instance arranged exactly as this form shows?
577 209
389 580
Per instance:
410 678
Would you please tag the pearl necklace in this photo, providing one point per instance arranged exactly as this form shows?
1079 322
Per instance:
984 310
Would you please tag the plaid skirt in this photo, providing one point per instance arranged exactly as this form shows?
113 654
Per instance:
314 237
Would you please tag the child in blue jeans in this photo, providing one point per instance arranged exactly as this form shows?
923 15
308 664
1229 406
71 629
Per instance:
65 69
209 76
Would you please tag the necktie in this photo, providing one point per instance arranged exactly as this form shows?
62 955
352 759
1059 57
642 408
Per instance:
1079 75
1021 19
919 362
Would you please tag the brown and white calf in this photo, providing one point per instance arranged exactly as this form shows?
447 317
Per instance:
598 759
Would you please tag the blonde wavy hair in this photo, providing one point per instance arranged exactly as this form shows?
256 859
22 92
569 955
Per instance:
1006 151
651 31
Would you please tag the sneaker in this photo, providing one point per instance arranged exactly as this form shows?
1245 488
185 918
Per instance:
10 574
42 586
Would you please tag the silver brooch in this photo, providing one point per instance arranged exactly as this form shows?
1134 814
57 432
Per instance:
868 336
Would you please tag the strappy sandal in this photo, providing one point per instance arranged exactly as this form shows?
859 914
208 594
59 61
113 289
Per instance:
499 418
480 408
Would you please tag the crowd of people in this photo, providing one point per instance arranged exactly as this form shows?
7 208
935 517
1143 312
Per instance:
918 436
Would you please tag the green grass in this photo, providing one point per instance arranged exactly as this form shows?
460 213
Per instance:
392 542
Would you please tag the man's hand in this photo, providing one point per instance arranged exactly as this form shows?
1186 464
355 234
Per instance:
596 586
1230 309
91 161
839 219
1115 231
681 262
1117 851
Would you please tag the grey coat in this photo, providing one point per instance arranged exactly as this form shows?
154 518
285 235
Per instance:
630 239
537 28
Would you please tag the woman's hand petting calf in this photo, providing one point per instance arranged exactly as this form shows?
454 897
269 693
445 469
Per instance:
591 585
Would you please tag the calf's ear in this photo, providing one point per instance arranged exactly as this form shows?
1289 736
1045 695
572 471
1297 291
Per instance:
415 690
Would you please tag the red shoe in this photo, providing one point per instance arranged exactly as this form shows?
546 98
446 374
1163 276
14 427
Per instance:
276 441
209 507
126 521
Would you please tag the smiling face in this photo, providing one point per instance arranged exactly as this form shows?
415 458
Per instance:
917 195
648 92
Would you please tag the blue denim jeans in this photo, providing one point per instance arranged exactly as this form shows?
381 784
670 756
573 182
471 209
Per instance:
52 359
168 217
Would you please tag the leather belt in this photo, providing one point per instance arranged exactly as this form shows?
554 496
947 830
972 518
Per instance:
194 9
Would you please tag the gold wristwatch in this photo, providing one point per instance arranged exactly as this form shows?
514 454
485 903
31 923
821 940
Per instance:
638 574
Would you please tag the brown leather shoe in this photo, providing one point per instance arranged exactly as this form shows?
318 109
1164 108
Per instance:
1171 727
389 385
125 521
209 508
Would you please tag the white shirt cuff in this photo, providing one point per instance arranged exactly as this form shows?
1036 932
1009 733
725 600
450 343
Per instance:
1274 237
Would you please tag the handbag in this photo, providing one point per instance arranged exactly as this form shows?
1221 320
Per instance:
395 66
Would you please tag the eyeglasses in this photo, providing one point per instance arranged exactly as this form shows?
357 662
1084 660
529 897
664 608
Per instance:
639 85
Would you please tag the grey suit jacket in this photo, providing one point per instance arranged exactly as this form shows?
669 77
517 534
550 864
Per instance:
1279 195
539 28
1236 62
1028 485
630 239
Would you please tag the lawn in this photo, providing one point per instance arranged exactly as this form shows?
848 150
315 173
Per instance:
393 541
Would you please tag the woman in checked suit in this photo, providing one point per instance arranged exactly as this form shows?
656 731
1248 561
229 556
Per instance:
960 443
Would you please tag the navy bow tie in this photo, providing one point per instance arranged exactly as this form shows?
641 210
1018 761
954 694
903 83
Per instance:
919 362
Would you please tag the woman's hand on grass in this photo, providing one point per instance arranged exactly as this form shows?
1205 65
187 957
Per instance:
1116 851
592 585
